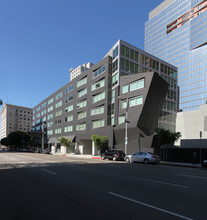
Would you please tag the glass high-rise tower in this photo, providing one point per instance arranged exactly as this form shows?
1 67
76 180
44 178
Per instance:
177 33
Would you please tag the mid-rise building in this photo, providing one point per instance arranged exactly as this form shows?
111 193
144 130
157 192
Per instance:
176 32
15 118
95 102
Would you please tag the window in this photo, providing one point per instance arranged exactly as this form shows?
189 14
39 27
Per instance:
112 121
98 124
136 85
98 85
135 101
100 71
43 119
59 95
37 115
69 89
69 108
58 113
58 131
50 101
115 52
113 95
115 65
99 97
38 108
43 105
124 104
50 132
57 105
49 124
81 104
81 127
81 115
57 122
50 116
121 119
82 82
125 89
69 118
68 99
115 79
82 92
50 109
68 129
98 110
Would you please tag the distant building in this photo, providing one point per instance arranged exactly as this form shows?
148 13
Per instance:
15 118
176 32
193 128
80 69
95 102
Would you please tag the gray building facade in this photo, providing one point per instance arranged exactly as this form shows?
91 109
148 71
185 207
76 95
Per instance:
95 102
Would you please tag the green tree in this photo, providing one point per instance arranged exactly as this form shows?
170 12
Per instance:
19 138
5 141
165 137
101 143
66 142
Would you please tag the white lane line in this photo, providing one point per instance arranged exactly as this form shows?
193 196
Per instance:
150 206
156 181
199 177
49 172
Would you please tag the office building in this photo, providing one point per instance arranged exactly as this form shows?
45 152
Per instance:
15 118
176 32
96 101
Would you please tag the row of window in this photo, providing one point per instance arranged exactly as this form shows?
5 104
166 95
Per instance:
139 84
79 127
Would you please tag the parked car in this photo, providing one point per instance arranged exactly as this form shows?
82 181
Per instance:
143 157
204 163
113 155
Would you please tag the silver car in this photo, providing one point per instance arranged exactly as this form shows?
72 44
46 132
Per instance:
143 157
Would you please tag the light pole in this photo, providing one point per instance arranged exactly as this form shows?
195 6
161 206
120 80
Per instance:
126 124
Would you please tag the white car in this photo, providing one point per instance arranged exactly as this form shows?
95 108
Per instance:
143 157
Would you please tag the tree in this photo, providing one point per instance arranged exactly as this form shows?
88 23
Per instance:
164 137
5 141
66 142
19 138
101 143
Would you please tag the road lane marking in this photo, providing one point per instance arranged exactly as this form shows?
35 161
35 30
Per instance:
49 172
150 206
199 177
166 183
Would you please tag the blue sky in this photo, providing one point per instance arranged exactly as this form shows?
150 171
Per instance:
41 40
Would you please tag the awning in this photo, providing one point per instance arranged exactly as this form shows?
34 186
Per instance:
71 137
53 140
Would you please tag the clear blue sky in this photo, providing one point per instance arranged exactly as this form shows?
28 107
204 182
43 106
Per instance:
41 40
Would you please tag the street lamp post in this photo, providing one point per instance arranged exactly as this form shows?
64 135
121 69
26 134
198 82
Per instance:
126 124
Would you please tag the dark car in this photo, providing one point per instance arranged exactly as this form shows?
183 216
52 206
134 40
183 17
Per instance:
113 155
204 163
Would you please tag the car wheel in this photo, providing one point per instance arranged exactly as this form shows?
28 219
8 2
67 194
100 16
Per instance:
146 161
102 157
114 158
127 160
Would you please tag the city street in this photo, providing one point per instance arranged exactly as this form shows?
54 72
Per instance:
37 186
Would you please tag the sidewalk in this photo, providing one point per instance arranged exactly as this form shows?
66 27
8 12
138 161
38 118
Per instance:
89 156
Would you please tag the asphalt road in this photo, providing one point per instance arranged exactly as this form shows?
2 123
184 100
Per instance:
36 186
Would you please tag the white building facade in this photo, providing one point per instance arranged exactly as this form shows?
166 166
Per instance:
15 118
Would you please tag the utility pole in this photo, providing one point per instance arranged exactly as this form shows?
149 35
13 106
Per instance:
43 136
